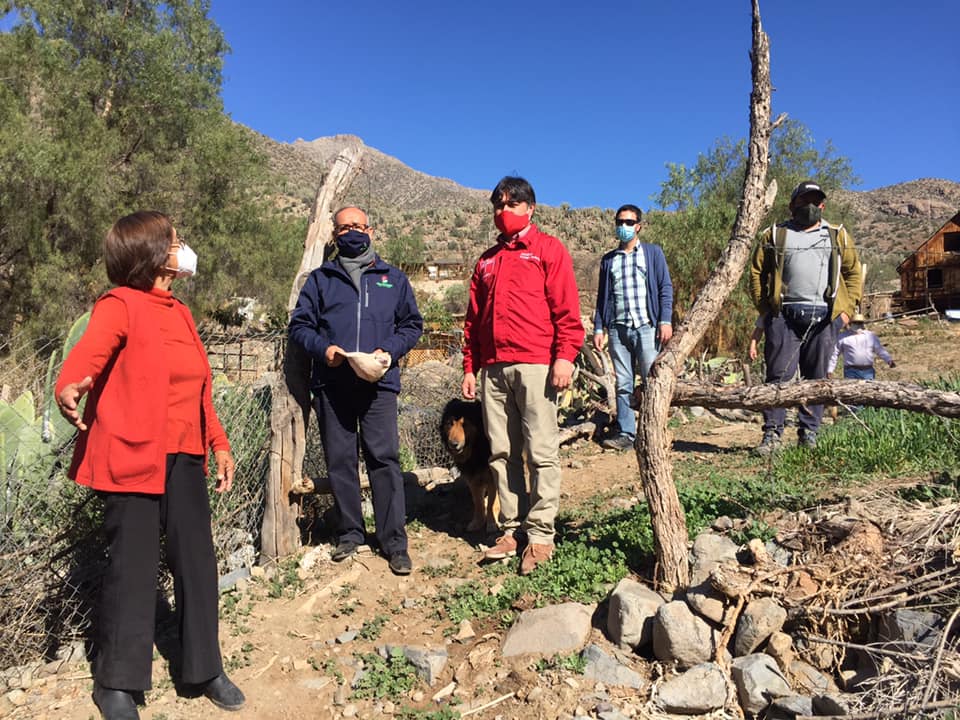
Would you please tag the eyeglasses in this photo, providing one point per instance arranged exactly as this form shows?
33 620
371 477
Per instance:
626 221
351 226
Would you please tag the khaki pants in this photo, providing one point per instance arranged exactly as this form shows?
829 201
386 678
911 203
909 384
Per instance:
520 415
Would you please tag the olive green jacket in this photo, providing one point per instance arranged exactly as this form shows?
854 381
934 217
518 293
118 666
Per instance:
845 285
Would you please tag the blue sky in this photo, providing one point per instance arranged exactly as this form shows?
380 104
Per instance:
590 100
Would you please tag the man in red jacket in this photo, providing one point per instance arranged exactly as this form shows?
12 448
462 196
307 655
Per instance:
521 336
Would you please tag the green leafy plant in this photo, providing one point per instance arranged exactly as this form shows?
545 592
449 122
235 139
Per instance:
371 629
392 677
574 662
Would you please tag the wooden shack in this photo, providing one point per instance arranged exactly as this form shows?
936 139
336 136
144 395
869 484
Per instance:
931 275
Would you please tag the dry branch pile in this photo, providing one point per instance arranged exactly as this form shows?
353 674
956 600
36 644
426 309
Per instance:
872 592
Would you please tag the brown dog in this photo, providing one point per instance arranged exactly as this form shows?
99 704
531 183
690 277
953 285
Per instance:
462 433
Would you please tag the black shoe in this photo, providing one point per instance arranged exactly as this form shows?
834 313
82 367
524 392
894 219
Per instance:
114 704
400 563
345 549
618 443
770 445
807 440
223 693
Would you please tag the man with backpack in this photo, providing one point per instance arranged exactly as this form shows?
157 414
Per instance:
805 275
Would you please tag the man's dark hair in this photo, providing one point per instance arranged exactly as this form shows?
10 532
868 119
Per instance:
630 208
136 248
516 188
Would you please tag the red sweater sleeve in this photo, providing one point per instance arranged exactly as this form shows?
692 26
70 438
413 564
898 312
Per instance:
105 333
564 302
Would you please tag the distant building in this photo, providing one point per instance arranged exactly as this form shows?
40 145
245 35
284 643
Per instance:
931 275
445 269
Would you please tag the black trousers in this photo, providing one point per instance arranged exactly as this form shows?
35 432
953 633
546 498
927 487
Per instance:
341 411
133 524
788 346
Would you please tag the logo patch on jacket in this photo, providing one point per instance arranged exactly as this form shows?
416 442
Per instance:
384 282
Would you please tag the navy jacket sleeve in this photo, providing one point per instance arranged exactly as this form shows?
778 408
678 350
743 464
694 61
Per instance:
305 328
408 323
601 307
665 285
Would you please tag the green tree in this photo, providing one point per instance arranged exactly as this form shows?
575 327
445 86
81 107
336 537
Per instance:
109 107
706 197
405 251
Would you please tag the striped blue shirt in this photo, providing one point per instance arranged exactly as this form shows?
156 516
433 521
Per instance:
629 276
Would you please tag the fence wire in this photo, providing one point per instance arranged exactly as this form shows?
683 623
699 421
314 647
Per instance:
52 550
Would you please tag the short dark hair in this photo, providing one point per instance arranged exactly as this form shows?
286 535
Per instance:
136 248
630 208
516 188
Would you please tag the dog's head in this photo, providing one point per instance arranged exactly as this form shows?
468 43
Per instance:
460 427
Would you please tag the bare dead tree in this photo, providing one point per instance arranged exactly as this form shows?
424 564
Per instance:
290 394
904 396
653 443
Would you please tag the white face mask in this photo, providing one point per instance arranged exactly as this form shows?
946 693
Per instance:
186 261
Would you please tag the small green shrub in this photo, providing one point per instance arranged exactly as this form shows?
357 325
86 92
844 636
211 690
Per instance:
574 662
392 677
371 629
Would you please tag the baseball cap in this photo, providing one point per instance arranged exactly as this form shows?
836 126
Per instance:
805 187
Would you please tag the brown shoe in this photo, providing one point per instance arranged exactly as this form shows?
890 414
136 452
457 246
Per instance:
505 547
535 554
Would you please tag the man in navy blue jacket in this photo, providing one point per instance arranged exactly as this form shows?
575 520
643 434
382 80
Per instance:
357 303
634 306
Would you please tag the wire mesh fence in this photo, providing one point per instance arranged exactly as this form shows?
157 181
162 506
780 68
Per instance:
52 551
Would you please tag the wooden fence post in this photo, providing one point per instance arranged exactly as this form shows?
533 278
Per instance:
290 404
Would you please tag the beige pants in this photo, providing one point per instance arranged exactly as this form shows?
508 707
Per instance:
520 414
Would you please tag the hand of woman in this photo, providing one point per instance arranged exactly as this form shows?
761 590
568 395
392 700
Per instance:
225 468
69 399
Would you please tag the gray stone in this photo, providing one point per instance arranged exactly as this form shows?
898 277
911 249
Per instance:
603 668
548 631
709 550
612 715
831 704
780 648
913 626
778 553
759 619
808 679
681 636
345 637
701 689
758 681
722 523
787 708
428 662
630 614
707 601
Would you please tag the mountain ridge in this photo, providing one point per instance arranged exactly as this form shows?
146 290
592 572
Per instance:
890 221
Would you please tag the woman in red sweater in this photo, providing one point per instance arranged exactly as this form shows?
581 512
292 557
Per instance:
145 434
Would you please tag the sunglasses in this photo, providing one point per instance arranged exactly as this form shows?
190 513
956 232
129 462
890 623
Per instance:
351 226
625 221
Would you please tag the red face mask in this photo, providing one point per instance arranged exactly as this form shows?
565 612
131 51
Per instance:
510 223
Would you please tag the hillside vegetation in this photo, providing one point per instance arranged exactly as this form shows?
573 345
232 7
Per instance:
104 113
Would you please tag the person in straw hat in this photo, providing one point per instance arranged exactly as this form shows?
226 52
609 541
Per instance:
860 348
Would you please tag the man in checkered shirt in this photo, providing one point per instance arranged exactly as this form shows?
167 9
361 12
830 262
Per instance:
634 309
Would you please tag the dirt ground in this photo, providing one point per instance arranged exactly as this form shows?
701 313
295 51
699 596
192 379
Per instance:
282 651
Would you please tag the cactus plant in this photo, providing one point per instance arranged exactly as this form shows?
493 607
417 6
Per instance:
56 429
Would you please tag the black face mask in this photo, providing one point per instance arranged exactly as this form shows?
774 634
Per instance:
806 215
353 243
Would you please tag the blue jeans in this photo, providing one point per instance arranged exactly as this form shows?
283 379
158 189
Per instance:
632 350
859 373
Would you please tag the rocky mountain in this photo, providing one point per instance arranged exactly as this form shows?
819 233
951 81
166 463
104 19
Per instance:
888 222
384 181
